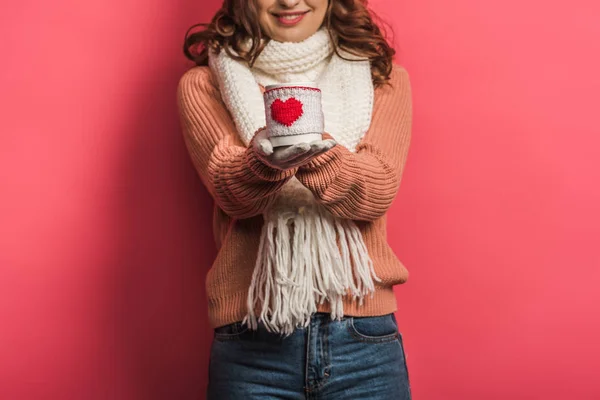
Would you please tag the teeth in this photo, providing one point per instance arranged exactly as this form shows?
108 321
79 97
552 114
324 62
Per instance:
290 17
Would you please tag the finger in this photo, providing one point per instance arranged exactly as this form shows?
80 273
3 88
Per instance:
304 158
331 143
261 133
301 160
320 144
261 143
318 147
290 152
264 146
298 159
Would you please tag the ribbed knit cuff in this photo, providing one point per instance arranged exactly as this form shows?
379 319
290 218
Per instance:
332 158
323 170
263 170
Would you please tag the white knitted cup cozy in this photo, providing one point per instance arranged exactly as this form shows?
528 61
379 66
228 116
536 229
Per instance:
294 114
300 263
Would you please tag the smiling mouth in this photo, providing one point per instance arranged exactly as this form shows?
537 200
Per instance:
290 18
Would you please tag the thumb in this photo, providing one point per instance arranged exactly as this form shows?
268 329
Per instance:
264 146
261 142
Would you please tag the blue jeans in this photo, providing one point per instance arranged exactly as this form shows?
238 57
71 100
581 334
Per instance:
358 358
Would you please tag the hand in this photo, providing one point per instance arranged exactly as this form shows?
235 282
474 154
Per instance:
285 157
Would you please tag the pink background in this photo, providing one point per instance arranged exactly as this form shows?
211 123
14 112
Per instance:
105 229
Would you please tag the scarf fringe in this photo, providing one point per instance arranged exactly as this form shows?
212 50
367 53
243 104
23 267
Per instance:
300 263
308 268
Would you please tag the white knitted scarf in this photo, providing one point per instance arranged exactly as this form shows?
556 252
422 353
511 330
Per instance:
306 255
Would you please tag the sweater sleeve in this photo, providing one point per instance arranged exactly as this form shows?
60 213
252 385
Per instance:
239 182
363 185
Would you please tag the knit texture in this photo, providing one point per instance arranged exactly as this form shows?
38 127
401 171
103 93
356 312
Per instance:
306 255
358 186
293 111
347 90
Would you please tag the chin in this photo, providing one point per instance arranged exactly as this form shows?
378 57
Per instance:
291 36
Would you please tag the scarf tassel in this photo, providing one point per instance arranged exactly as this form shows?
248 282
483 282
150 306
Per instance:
301 265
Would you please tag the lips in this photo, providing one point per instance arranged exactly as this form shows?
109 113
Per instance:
290 18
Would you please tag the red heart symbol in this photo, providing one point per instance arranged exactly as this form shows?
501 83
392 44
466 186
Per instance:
286 112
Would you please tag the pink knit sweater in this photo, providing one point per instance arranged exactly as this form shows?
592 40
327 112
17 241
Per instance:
359 186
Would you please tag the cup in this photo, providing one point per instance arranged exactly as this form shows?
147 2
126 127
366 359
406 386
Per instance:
294 113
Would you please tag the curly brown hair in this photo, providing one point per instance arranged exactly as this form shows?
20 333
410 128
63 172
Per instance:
351 20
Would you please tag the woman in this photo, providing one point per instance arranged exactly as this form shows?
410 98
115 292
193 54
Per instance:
301 292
